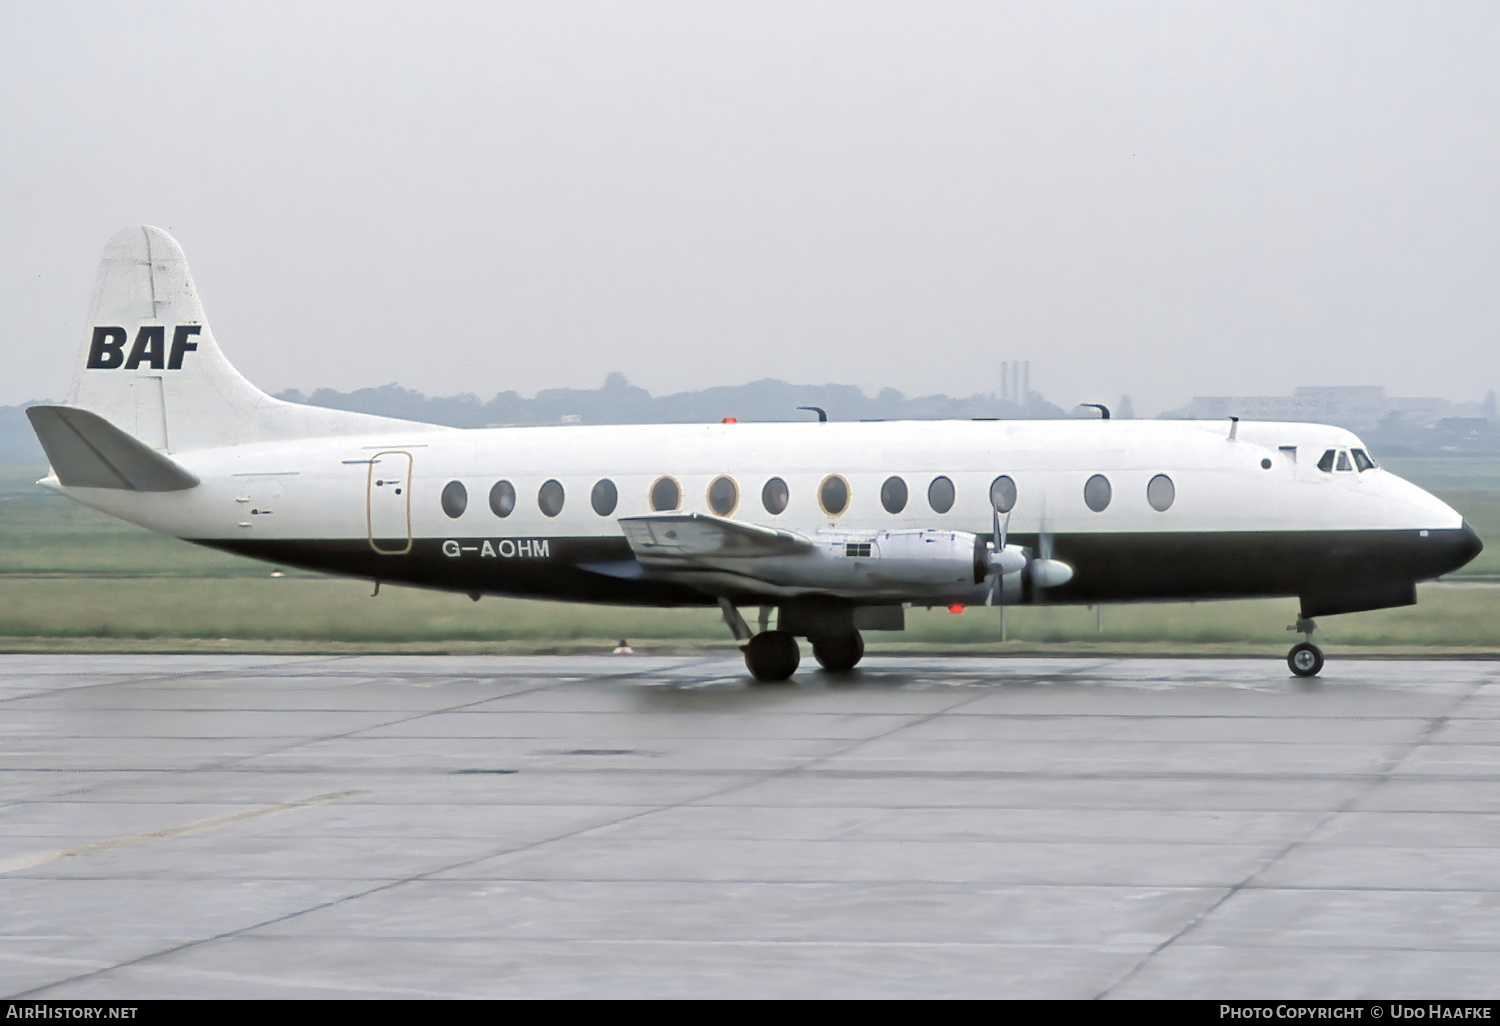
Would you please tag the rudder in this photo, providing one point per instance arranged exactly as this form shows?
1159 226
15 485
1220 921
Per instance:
151 366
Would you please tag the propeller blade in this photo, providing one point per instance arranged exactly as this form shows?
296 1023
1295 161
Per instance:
1001 561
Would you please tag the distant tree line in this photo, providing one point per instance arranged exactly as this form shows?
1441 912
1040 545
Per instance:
18 444
619 402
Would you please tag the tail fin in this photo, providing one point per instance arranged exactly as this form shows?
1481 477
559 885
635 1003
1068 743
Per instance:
151 366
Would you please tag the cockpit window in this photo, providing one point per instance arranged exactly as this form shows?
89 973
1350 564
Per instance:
1326 463
1362 460
1344 461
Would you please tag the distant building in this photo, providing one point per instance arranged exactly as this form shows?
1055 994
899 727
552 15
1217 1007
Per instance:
1357 407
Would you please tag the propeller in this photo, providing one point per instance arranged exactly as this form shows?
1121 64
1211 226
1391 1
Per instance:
1004 558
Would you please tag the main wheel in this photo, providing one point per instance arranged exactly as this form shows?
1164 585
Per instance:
772 656
838 653
1305 659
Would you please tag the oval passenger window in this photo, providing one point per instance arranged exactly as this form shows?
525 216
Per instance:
893 495
833 495
455 499
502 499
723 496
774 496
1097 493
550 498
940 495
665 495
604 497
1161 492
1003 493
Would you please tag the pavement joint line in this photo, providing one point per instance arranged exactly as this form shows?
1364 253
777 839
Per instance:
1200 890
812 764
833 714
952 883
305 740
157 677
1348 805
197 826
227 765
1121 776
364 893
388 885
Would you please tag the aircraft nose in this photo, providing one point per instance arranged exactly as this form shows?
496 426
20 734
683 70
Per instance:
1460 547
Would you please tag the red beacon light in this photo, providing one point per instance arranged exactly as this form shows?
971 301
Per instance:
729 420
955 609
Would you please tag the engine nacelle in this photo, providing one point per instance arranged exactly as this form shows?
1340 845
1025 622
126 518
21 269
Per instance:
913 564
935 559
905 565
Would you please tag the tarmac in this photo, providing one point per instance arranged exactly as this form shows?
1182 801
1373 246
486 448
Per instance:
638 826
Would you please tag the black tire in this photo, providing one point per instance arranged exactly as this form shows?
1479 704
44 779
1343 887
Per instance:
772 656
839 653
1305 659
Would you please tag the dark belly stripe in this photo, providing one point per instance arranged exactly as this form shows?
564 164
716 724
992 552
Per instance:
1327 568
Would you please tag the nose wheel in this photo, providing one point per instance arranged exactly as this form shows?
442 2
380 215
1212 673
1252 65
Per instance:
1305 659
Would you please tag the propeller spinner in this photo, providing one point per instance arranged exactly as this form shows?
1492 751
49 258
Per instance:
1004 558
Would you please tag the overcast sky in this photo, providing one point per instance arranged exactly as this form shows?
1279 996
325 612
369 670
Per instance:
1156 199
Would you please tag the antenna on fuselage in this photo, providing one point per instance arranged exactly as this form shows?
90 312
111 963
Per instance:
1100 407
1234 425
822 414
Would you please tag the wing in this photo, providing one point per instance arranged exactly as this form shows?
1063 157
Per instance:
683 540
729 557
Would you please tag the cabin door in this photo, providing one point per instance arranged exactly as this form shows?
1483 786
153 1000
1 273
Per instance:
388 503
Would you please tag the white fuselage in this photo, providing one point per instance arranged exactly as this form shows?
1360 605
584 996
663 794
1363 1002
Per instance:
1237 503
835 525
317 488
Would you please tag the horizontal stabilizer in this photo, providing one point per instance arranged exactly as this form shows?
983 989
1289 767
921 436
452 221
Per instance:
87 451
678 537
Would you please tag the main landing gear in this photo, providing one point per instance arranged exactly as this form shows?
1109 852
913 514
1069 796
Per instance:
774 655
838 653
1305 658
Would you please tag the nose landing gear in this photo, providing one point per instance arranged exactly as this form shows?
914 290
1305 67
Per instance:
1305 659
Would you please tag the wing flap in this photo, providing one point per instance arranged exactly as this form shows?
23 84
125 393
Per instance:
676 539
